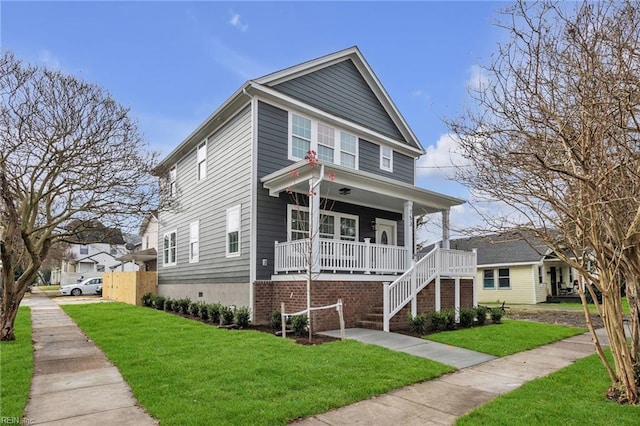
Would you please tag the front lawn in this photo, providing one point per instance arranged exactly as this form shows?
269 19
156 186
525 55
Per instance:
571 396
510 337
186 372
16 368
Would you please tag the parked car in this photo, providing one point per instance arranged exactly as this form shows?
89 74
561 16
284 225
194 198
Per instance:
99 290
88 286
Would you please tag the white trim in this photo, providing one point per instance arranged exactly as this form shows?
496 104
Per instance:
253 237
237 209
387 222
194 227
175 260
336 225
335 277
314 143
506 265
383 157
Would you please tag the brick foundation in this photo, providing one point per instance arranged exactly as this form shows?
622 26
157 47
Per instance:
359 298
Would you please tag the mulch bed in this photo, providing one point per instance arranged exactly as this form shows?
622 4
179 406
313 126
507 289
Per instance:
574 319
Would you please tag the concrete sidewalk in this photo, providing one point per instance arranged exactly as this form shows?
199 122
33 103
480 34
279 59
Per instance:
73 382
441 401
446 354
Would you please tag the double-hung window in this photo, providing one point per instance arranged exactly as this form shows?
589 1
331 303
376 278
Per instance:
503 278
333 225
202 160
233 231
386 158
173 174
488 280
169 248
194 242
84 249
332 145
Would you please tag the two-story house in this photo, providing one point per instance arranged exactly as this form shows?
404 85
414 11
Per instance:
240 227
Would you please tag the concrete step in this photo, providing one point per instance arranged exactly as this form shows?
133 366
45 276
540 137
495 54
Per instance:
374 325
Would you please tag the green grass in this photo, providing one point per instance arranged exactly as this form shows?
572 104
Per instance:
16 368
571 396
48 287
507 338
576 306
185 372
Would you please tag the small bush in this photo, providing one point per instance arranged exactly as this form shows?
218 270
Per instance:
417 324
276 320
443 320
481 315
194 309
158 302
204 311
184 305
299 324
168 304
496 315
147 299
467 315
242 316
214 313
226 313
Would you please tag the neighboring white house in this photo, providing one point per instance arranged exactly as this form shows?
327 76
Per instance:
145 254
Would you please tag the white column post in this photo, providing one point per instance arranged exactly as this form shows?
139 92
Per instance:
475 277
385 307
445 228
438 304
457 298
407 218
314 226
367 255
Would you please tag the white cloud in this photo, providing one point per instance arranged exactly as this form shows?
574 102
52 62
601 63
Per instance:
236 22
49 59
478 79
416 93
442 158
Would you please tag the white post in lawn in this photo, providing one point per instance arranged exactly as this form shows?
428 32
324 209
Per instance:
407 218
313 265
445 229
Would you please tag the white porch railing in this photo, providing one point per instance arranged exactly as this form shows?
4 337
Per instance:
437 263
341 256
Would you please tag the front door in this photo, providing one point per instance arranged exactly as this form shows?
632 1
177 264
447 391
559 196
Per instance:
554 281
385 232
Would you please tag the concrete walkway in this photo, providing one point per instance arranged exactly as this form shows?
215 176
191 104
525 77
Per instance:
441 401
446 354
73 382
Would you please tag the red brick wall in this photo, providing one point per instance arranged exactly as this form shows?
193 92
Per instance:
359 298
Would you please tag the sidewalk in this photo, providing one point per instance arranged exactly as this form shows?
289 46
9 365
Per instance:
441 401
73 382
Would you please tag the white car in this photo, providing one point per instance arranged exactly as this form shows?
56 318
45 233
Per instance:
88 286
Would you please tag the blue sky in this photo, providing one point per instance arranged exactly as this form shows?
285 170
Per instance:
173 63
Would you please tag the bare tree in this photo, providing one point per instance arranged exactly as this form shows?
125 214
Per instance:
69 154
555 133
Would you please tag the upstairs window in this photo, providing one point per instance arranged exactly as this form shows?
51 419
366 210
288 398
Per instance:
173 174
194 242
202 160
233 231
332 145
169 248
84 249
386 158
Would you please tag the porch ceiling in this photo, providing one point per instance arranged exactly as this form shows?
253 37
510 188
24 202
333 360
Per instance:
365 189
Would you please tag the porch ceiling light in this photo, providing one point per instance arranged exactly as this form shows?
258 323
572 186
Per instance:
344 191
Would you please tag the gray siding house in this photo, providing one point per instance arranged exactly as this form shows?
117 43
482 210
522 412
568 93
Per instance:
239 184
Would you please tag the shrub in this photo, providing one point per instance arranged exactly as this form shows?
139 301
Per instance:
203 311
194 309
443 320
299 324
147 299
214 313
417 324
242 315
276 320
184 304
158 302
168 304
226 313
481 314
496 315
467 315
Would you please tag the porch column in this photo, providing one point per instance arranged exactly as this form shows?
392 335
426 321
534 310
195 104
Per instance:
314 225
445 229
407 218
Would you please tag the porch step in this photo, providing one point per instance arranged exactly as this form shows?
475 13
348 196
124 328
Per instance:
374 319
374 325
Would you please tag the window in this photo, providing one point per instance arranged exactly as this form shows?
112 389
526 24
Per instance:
202 160
539 274
503 278
169 248
488 281
173 173
331 144
233 231
146 242
386 158
194 242
113 249
299 224
84 249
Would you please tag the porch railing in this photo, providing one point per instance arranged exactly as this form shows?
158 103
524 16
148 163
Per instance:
341 256
438 262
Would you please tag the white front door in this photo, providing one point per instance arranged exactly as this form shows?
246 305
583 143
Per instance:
385 232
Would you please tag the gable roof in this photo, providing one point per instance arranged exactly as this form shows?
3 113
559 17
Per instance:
511 247
265 87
